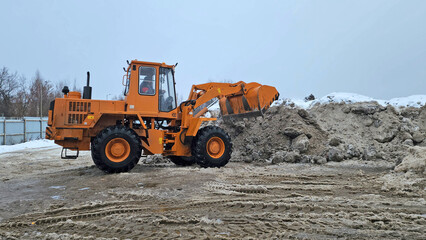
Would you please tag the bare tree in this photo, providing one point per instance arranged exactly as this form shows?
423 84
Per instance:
21 99
41 92
8 84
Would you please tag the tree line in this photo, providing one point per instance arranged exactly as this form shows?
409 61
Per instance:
19 97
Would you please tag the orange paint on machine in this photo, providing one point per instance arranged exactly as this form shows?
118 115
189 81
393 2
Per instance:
150 121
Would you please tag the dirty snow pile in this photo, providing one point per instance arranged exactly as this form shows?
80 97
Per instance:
285 134
337 127
42 143
409 175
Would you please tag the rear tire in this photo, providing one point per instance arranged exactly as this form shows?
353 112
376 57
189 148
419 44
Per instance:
116 149
182 161
212 147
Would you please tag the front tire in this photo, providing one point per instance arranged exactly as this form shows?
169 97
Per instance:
116 149
212 147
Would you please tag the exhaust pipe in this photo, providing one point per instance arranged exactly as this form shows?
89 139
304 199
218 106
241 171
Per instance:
87 90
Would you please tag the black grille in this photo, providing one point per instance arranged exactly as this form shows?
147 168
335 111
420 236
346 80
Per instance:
77 112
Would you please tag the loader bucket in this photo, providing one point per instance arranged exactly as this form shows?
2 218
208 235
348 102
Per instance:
255 100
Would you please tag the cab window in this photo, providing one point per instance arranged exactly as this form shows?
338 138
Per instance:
147 80
167 96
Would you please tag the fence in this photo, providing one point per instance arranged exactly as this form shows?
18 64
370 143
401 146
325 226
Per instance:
15 131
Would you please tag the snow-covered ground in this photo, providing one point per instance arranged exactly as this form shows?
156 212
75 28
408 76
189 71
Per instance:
338 97
43 143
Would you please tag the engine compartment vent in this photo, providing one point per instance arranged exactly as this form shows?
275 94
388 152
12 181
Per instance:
77 112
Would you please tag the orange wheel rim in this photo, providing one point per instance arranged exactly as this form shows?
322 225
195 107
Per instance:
117 150
215 147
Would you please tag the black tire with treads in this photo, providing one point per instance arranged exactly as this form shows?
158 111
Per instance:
182 161
100 141
199 144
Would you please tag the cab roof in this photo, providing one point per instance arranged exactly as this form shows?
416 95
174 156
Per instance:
151 63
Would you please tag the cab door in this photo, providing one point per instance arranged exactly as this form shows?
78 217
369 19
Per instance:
166 92
143 90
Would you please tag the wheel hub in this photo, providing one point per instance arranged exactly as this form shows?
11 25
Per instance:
215 147
117 150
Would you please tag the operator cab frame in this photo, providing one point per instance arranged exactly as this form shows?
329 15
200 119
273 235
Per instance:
150 89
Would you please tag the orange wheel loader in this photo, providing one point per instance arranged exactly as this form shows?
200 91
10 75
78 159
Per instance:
149 120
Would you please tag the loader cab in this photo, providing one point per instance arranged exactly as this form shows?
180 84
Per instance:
150 89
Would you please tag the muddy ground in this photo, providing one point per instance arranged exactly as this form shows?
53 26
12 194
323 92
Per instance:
298 179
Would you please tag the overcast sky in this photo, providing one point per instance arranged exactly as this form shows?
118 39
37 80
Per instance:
375 48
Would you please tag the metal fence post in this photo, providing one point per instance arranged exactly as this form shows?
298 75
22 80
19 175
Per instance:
41 129
25 129
4 131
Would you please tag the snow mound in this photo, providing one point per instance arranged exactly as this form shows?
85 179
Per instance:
411 101
342 97
42 143
293 103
